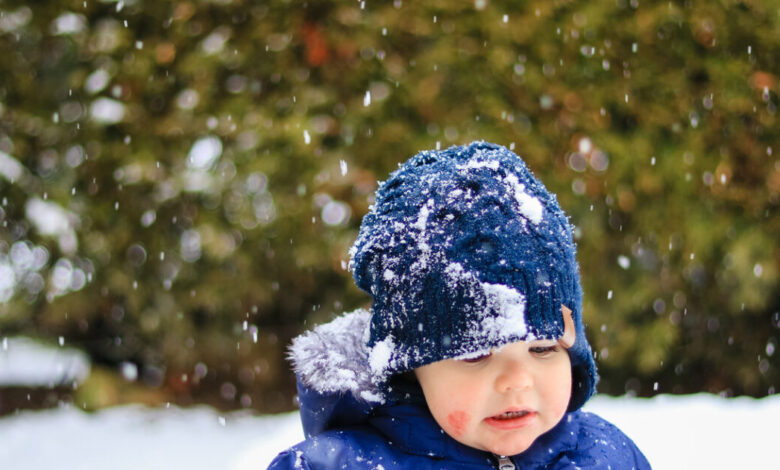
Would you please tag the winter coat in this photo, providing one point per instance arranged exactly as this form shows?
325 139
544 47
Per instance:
350 425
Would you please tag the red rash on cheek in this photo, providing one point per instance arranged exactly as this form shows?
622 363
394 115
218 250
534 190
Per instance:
458 421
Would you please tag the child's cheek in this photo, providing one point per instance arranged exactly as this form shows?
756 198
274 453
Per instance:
458 420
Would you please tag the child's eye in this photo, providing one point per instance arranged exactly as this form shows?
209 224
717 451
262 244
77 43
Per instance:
543 350
473 360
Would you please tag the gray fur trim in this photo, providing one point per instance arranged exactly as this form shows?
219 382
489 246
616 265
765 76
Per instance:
333 358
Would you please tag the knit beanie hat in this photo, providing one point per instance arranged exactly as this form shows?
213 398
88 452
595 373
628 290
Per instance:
465 251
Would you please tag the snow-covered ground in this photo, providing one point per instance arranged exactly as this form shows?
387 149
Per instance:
24 361
675 432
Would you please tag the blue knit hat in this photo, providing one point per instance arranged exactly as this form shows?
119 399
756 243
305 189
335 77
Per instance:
465 251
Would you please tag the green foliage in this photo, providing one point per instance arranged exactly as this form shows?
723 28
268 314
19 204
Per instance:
655 122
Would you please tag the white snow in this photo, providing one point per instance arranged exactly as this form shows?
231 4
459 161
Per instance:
24 361
674 432
379 355
422 216
422 238
510 305
697 431
134 437
476 164
530 206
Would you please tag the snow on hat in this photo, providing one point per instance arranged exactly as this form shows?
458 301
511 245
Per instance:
465 251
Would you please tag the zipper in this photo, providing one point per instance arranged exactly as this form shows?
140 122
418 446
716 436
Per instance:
505 463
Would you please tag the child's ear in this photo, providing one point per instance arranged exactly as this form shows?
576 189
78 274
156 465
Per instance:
569 334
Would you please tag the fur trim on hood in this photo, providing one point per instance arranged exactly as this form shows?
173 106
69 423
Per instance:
333 358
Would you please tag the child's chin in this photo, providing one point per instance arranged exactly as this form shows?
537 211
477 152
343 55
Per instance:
514 447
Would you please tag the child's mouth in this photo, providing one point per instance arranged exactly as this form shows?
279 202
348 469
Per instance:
512 419
512 414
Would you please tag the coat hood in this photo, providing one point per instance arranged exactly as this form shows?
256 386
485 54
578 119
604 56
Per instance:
334 375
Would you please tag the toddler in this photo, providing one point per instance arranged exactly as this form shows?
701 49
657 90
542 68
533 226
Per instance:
473 354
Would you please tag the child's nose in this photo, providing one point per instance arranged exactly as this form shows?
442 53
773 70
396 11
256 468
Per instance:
514 375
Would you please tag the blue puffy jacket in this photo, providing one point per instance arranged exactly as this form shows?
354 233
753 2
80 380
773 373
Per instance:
350 425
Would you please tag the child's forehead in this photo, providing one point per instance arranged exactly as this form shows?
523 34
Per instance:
530 341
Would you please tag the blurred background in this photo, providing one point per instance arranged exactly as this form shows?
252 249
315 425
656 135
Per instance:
180 182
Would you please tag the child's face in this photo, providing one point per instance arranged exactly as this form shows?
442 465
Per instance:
501 402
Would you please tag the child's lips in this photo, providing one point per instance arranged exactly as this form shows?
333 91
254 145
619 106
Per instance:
512 419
